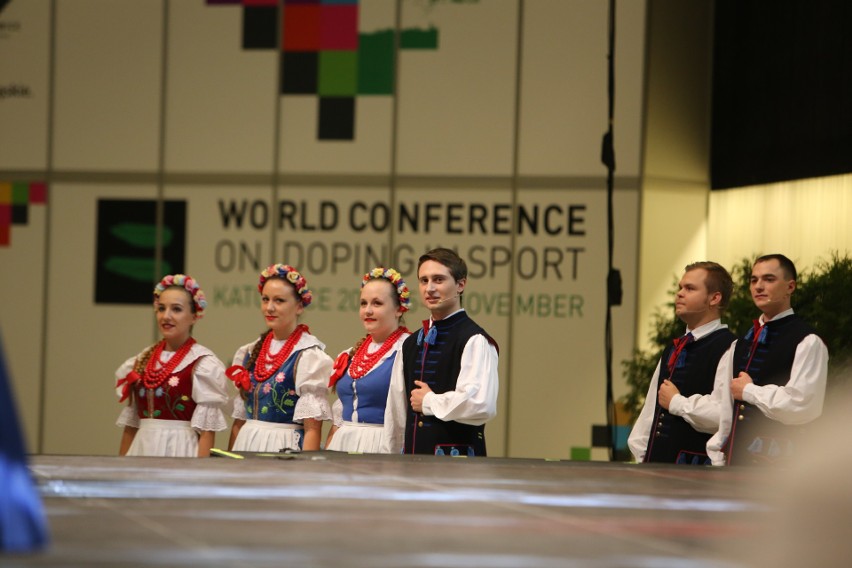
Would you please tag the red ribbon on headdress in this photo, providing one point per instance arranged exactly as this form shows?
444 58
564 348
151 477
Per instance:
339 368
128 381
240 376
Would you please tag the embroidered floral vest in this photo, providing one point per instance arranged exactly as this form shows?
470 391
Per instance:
172 400
274 399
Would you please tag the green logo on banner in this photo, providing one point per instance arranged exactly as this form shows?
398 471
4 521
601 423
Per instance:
126 249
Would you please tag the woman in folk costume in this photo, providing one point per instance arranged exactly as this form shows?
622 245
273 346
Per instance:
362 374
281 377
176 388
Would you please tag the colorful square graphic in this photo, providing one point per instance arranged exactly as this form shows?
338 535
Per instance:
20 193
620 432
38 192
20 214
301 27
299 72
336 118
20 202
339 27
338 73
375 63
15 200
581 454
260 27
419 39
322 52
125 270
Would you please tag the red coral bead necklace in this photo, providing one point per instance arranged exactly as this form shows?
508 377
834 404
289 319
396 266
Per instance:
156 371
266 364
362 362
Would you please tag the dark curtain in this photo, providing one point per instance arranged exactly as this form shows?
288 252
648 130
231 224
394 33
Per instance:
782 91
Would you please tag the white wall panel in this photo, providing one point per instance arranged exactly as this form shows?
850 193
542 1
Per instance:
86 342
456 103
107 93
24 84
221 98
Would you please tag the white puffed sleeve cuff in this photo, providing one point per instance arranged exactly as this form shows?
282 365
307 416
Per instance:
239 412
312 403
313 369
128 417
208 418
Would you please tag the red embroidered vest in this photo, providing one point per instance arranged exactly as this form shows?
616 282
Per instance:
172 400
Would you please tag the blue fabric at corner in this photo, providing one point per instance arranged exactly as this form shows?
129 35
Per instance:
22 524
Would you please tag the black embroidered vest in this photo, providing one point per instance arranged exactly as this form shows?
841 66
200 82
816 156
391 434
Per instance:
438 365
672 439
755 438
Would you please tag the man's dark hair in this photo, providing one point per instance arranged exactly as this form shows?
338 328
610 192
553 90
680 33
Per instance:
448 258
786 264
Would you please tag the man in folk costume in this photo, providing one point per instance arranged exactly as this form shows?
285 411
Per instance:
680 415
774 377
444 387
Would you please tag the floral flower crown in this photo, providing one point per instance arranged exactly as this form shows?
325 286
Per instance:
394 278
188 284
288 274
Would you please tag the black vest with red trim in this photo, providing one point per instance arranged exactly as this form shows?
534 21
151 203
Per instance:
755 438
438 365
673 439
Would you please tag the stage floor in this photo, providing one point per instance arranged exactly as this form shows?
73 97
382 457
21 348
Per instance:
325 509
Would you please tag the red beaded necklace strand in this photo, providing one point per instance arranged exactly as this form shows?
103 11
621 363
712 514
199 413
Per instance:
154 377
267 365
362 363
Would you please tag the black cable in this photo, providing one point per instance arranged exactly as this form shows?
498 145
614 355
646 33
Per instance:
614 292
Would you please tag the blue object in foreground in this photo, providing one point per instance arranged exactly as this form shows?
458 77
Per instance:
22 524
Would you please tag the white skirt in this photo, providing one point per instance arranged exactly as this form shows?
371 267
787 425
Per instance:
164 438
260 436
357 437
